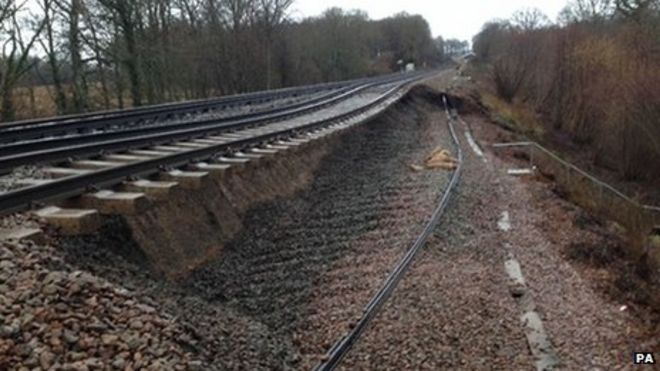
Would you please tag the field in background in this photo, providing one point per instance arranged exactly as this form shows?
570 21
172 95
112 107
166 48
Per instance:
39 101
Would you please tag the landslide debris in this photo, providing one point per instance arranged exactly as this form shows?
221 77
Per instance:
55 317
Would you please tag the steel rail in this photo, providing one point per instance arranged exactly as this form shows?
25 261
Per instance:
67 141
7 163
26 198
344 345
229 99
37 128
66 124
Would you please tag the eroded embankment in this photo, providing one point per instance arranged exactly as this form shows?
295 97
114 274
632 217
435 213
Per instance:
192 227
287 252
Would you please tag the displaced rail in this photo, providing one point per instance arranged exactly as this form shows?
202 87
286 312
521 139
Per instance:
28 197
344 345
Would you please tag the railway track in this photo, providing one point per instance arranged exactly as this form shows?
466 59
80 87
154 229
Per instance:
340 349
85 145
136 128
58 148
193 143
61 125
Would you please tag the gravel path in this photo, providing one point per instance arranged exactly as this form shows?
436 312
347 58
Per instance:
592 302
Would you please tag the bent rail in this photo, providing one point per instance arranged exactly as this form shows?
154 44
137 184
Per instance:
344 345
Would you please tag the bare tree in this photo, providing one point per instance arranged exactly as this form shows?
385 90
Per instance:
14 61
270 16
488 42
72 11
162 50
529 19
94 41
637 10
50 46
6 10
125 15
586 10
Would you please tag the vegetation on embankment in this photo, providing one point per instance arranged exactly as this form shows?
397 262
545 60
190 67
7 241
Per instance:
590 81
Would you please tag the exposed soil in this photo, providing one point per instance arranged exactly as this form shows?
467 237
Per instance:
288 285
300 268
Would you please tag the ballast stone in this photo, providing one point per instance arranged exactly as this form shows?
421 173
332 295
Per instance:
35 235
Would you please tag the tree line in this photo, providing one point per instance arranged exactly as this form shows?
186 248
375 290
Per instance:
77 55
593 75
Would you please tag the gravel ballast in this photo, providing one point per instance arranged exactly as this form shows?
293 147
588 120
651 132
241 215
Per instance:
454 309
57 317
299 274
312 262
290 284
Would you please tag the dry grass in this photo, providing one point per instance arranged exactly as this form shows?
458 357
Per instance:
35 102
520 118
39 101
514 116
636 224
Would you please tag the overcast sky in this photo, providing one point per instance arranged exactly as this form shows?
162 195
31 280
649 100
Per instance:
459 19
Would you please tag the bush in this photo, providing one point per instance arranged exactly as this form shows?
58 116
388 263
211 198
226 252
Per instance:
598 82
